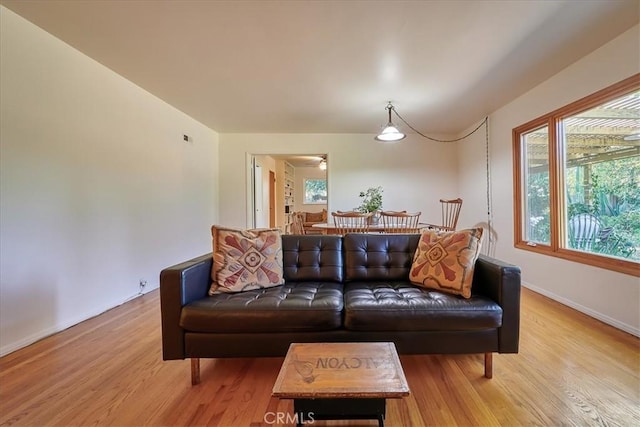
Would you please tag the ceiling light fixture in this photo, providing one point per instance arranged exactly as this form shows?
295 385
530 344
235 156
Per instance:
632 137
323 163
390 133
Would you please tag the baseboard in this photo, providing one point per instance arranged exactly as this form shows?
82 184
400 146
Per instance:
586 310
14 346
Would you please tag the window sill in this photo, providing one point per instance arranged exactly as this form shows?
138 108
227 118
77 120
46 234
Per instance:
608 263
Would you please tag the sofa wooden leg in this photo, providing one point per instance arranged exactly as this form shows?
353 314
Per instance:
195 371
488 365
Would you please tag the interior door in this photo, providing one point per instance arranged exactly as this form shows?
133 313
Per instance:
272 199
258 216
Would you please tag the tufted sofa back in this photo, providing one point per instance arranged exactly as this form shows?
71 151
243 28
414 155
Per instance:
379 256
354 257
312 258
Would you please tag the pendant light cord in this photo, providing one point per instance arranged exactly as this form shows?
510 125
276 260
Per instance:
489 193
485 122
486 119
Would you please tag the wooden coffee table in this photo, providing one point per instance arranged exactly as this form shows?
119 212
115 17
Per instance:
332 381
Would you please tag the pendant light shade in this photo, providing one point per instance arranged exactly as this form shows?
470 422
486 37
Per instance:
323 163
390 133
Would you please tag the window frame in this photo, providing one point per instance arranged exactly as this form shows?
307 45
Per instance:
304 191
557 221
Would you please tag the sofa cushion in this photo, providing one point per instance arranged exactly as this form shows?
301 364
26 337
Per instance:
312 258
401 306
445 260
379 256
245 259
309 306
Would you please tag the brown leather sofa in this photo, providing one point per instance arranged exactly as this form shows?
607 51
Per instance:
339 289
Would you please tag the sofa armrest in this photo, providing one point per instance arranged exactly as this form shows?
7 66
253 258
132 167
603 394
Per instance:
500 281
179 285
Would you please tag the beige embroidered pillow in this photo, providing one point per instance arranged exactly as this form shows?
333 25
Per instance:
245 259
445 260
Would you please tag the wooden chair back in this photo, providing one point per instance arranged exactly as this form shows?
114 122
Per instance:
351 222
450 214
400 222
297 223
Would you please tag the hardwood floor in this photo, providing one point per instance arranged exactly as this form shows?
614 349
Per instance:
571 370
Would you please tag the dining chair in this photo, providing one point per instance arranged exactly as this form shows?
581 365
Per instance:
400 222
297 223
450 214
351 222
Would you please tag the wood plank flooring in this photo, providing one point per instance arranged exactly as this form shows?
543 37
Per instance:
108 371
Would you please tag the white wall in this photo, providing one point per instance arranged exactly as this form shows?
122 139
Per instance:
472 174
98 188
610 296
302 173
414 173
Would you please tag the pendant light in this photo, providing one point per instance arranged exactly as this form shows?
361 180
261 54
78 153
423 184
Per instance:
323 163
390 133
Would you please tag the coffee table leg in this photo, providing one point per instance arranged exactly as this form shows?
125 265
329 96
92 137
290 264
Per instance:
339 409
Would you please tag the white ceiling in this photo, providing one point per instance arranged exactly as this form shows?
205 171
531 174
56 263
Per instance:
331 66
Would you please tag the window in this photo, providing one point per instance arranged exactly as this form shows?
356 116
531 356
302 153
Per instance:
315 191
577 180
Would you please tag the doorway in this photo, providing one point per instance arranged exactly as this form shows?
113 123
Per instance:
277 189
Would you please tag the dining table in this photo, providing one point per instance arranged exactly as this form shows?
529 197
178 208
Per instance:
331 228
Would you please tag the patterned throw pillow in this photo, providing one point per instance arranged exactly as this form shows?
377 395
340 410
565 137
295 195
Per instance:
245 259
445 260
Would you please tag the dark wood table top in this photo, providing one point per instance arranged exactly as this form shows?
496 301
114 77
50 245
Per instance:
341 370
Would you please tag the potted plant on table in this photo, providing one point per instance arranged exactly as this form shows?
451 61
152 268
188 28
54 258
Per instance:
371 202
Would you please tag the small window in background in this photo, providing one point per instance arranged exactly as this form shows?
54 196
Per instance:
315 191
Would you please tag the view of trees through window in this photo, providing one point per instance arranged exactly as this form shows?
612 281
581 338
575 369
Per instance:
538 207
315 191
580 179
610 197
